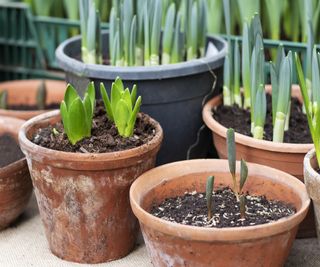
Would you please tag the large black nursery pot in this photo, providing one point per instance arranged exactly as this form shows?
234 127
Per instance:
172 94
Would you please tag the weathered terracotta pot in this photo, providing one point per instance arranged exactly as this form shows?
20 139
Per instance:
15 182
24 92
172 244
312 181
84 198
282 156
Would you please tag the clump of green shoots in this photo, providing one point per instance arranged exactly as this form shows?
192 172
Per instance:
3 99
90 32
77 114
241 198
41 96
312 103
122 107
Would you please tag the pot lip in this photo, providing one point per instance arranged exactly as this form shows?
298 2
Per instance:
27 145
307 162
139 72
13 167
217 234
219 129
16 113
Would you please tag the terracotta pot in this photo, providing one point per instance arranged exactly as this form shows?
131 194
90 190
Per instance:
15 182
172 244
23 92
282 156
312 181
84 198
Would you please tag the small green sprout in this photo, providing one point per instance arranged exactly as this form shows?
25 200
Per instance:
232 158
209 189
123 107
55 132
41 95
4 99
77 114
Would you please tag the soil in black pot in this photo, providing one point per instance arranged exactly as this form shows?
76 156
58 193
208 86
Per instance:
9 150
104 138
239 119
191 209
32 107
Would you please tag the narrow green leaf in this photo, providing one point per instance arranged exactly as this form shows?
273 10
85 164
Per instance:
231 146
132 42
133 116
209 189
77 127
315 78
236 79
246 58
70 95
134 94
275 90
127 98
243 174
260 107
88 114
284 86
106 101
92 94
168 30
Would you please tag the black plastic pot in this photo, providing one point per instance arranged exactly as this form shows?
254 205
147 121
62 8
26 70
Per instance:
172 94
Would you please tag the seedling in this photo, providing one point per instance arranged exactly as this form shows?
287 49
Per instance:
41 95
123 107
209 190
4 99
77 114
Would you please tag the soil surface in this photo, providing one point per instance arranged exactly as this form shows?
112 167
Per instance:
9 150
239 119
104 138
33 107
191 209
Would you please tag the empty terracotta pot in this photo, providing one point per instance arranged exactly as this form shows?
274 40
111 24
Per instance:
23 92
173 244
312 181
84 198
15 182
282 156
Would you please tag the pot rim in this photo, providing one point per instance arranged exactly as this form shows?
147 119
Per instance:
19 113
219 129
215 234
191 67
307 162
27 145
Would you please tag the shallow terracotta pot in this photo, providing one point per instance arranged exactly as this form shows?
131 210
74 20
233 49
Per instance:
15 182
172 244
84 198
312 181
282 156
24 92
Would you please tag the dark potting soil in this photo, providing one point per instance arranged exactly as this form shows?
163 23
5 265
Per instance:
33 107
104 138
239 119
9 150
191 209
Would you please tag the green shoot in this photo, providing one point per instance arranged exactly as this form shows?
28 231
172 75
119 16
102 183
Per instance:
168 34
243 174
55 132
227 89
231 146
3 99
283 98
209 189
122 107
77 114
192 33
41 96
236 79
313 116
260 110
246 59
214 23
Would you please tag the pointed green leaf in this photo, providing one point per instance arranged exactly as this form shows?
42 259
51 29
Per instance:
92 94
231 146
70 95
88 114
77 124
133 116
106 101
126 96
284 86
134 94
275 90
115 96
121 116
243 173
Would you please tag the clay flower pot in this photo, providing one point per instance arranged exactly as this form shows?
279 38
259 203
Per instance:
173 244
15 182
84 198
282 156
23 92
312 181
